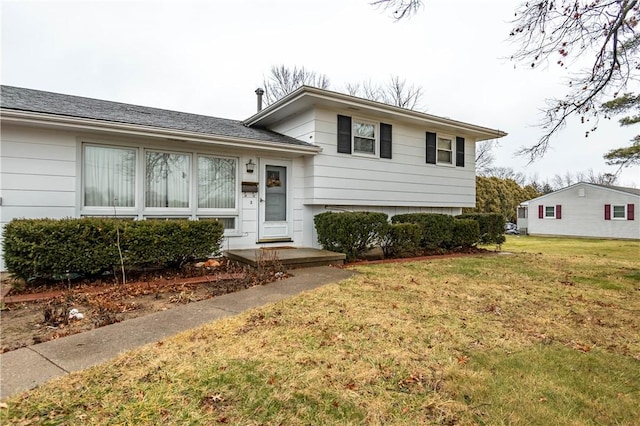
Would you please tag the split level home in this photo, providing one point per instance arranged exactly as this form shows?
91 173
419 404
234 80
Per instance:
583 210
265 177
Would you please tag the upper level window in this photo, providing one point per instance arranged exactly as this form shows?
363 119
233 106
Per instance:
364 138
167 180
109 176
620 212
445 151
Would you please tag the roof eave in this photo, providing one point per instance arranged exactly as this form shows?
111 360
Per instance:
87 124
261 118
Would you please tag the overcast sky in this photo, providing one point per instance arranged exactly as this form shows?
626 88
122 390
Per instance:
208 57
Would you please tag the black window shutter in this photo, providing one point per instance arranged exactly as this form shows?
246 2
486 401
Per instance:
431 148
385 140
459 151
344 134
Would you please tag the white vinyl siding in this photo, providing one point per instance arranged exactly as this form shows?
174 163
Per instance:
405 180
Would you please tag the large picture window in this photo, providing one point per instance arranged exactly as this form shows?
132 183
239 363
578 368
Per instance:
143 183
216 183
109 176
166 180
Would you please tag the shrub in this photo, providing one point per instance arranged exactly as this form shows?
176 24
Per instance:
350 233
48 248
466 233
437 229
491 227
401 240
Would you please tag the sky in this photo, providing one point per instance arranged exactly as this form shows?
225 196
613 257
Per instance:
208 57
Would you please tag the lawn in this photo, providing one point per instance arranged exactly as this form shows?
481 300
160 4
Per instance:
547 334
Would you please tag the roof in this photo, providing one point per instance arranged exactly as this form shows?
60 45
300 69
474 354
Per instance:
56 104
624 189
306 97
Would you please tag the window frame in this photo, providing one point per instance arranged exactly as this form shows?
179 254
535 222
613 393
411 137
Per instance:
223 211
376 137
451 151
613 212
167 211
140 211
114 209
546 215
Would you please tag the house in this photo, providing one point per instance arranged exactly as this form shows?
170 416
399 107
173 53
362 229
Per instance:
265 178
583 210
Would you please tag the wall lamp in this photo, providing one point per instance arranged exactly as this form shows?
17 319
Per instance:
250 166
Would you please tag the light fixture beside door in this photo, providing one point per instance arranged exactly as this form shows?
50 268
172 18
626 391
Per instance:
250 166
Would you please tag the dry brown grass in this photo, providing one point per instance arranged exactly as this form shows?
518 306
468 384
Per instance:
507 339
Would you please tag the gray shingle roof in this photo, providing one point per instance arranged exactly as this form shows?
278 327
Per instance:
634 191
16 98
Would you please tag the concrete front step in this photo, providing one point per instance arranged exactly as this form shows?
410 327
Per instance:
287 256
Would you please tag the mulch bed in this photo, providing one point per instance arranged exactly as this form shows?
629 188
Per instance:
90 289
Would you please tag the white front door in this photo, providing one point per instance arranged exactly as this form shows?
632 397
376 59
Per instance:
275 201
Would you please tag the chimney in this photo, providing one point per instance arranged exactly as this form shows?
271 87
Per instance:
259 92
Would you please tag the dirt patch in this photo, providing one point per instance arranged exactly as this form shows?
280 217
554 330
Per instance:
35 315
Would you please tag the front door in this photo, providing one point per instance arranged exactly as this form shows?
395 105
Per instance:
275 200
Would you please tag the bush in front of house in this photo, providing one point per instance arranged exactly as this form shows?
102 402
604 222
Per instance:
50 248
437 229
401 240
466 233
491 226
351 233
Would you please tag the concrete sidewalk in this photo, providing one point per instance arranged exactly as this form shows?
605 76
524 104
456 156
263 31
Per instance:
28 367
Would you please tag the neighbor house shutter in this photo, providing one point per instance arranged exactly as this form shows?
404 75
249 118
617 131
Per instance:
385 140
630 211
459 151
431 148
541 212
558 211
607 212
344 134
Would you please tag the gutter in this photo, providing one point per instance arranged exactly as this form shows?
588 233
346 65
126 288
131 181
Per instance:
56 121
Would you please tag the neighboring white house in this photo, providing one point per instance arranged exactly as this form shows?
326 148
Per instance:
583 210
265 178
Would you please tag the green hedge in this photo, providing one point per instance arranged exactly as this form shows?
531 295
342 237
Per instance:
491 227
437 229
351 233
402 240
466 233
48 248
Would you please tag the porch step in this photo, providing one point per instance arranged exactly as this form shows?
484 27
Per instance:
289 257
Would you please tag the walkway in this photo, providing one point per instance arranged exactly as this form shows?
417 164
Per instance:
28 367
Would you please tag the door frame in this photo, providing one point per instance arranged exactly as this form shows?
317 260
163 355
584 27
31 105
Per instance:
277 231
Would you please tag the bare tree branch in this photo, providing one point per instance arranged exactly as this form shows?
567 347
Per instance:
602 30
484 157
283 80
400 8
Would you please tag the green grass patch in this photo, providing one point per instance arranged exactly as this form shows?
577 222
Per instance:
551 384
